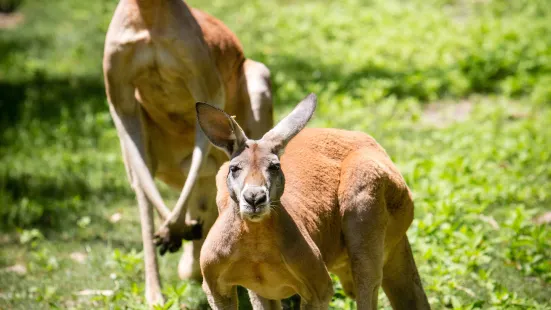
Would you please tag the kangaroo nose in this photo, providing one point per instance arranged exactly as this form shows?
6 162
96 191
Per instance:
255 196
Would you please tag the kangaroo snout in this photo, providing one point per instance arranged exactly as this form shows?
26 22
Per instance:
255 195
254 203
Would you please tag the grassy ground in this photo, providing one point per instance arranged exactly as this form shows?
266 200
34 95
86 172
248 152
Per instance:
458 92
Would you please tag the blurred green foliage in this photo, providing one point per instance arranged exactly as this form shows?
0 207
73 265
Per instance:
395 69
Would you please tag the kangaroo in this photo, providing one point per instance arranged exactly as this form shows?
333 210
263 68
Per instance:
333 202
160 58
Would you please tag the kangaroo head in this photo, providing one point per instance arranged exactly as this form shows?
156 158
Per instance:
255 180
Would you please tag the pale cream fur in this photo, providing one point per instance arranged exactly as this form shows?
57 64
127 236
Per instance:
160 58
345 209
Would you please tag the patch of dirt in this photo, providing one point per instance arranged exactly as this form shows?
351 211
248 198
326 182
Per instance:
115 218
543 218
19 269
10 20
7 239
91 292
490 221
79 257
442 114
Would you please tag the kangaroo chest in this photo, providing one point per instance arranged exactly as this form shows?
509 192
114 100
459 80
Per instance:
270 279
257 263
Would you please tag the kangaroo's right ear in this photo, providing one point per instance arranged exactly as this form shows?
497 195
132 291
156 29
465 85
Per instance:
292 124
220 128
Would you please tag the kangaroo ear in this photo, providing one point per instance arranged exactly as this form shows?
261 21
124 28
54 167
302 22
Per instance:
220 128
292 124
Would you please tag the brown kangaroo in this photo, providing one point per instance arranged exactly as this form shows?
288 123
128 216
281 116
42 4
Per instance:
335 202
160 58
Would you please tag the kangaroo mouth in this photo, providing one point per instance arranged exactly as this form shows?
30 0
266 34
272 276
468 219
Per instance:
256 213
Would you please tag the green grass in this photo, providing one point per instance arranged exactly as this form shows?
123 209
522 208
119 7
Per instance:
458 92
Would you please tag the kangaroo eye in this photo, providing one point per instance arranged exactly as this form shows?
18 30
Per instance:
235 170
274 167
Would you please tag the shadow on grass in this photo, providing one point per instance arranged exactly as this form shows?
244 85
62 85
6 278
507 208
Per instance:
44 98
49 201
481 75
10 6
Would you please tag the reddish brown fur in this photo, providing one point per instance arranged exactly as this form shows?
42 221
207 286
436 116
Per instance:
321 213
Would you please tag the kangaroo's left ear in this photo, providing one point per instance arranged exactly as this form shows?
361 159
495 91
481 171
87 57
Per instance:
220 128
292 124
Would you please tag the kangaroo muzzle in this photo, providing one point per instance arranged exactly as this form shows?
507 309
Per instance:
254 203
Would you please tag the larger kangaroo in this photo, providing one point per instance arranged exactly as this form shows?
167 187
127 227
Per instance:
334 202
160 58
